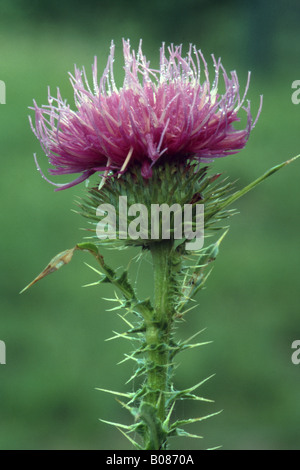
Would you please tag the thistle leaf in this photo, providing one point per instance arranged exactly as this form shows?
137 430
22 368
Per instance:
56 263
124 283
217 207
88 247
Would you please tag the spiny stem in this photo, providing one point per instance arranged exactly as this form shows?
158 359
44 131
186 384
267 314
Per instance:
158 341
161 252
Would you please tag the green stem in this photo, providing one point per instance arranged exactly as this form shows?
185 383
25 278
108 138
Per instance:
158 330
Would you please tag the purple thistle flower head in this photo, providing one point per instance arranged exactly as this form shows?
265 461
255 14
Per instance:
173 114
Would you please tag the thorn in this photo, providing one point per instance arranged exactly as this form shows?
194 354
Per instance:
94 269
129 428
127 395
92 284
126 321
130 439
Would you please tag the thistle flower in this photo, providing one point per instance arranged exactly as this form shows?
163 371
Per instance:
171 114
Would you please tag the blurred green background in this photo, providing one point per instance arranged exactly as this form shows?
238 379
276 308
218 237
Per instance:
55 333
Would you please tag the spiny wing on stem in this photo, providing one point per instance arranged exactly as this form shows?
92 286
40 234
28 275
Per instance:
107 275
